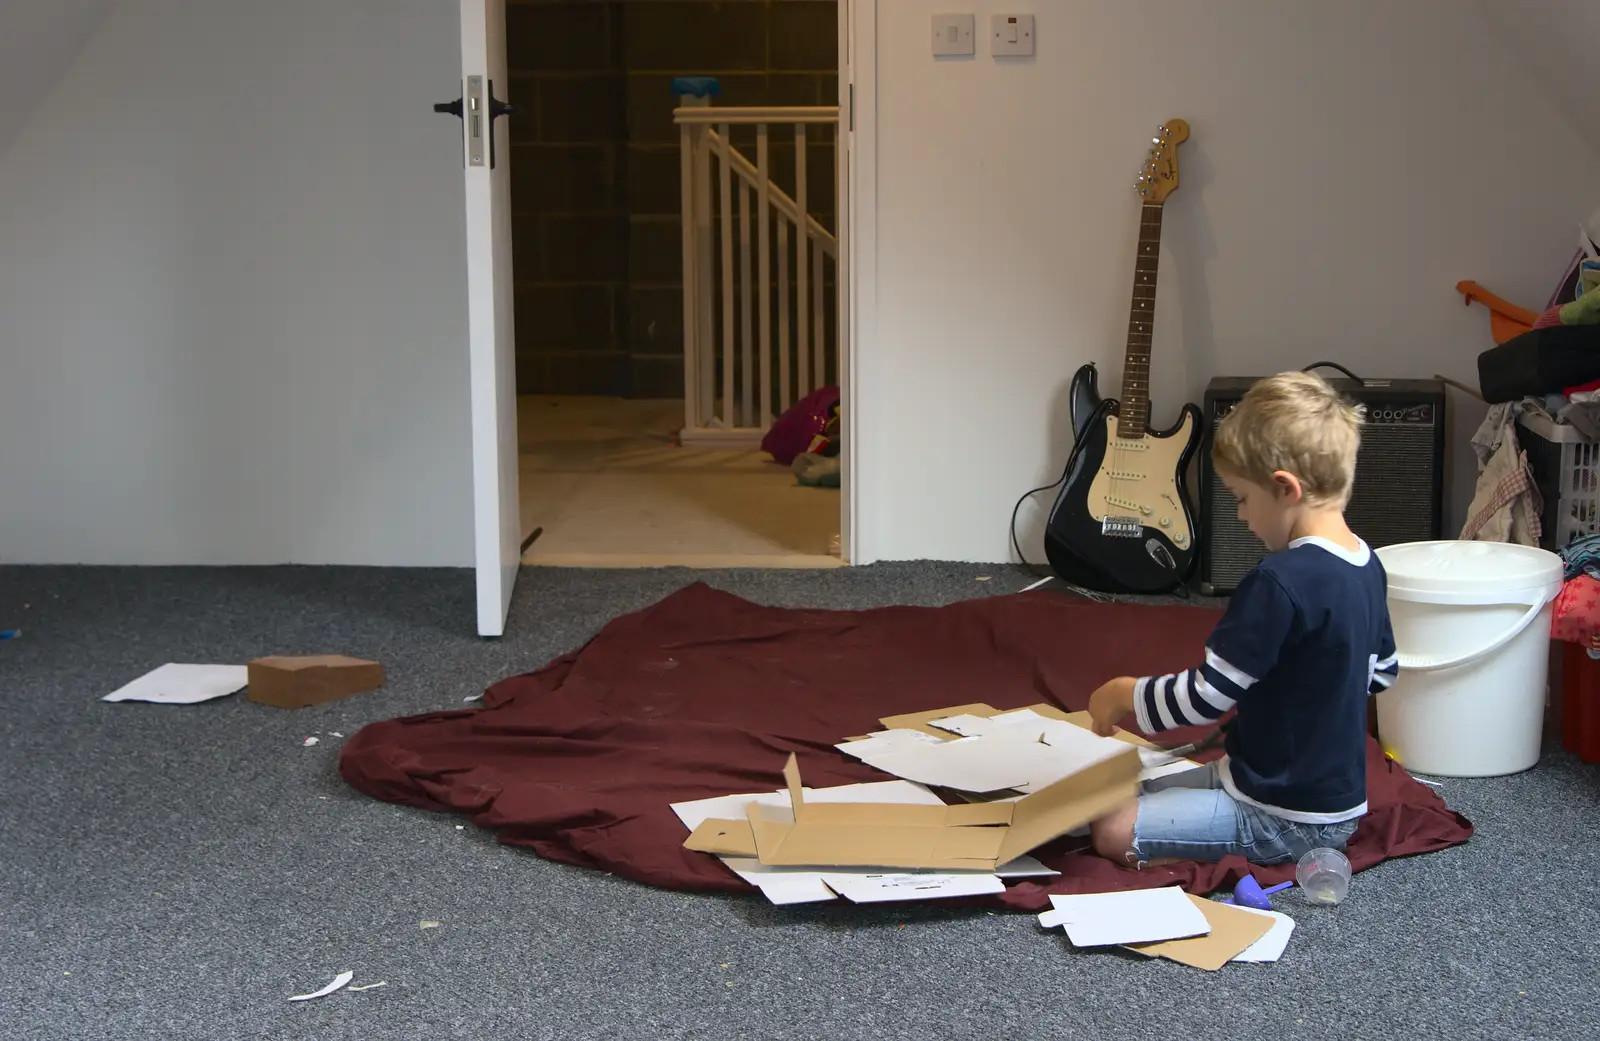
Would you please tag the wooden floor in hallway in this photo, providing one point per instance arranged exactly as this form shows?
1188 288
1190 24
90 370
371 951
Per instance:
608 482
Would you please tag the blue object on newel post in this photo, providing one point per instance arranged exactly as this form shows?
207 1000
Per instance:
696 86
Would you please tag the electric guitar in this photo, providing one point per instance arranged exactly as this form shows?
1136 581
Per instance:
1123 522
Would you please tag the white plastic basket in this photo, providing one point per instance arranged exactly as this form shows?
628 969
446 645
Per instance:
1567 468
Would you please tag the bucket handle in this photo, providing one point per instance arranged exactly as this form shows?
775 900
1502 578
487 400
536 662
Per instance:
1427 663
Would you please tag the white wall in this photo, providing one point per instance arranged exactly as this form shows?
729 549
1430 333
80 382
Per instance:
1350 162
1560 42
39 42
232 299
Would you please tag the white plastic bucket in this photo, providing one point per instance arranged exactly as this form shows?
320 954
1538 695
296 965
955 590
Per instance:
1472 624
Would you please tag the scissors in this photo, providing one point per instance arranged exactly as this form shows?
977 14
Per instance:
1206 743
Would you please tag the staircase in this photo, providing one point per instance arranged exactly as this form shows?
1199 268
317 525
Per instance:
759 271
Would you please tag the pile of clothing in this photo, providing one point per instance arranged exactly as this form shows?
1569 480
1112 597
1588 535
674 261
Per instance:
807 439
1577 608
1549 362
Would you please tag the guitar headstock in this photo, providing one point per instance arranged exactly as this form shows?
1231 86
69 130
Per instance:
1159 178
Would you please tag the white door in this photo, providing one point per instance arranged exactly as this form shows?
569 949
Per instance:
492 344
844 189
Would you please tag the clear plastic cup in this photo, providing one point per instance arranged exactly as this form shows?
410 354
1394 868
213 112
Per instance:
1324 876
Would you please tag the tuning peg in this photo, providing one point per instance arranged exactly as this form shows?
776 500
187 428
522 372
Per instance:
1155 141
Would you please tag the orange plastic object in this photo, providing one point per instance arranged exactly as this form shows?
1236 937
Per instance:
1506 320
1580 703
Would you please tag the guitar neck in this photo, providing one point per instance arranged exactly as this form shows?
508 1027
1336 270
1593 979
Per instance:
1133 413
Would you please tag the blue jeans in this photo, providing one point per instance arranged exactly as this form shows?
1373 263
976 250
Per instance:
1189 816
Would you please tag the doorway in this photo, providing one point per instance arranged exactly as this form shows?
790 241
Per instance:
615 470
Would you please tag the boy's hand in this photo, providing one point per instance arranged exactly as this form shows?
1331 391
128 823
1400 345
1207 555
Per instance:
1109 704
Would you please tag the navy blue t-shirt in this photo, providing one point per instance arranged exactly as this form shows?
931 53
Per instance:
1304 642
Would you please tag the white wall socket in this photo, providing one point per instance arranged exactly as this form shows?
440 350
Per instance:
1011 34
953 34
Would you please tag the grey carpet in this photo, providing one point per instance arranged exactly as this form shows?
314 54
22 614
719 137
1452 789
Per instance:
178 872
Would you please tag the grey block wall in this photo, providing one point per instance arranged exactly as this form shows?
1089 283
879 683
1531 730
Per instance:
595 188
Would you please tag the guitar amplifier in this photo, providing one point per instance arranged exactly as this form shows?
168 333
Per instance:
1399 487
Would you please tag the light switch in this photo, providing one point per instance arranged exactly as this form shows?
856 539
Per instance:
953 35
1013 34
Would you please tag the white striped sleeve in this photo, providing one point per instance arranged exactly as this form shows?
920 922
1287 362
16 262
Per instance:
1179 699
1243 647
1382 673
1141 710
1384 666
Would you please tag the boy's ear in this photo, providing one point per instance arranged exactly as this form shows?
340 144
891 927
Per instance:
1287 486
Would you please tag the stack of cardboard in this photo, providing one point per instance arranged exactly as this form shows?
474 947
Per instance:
968 836
1169 923
1017 780
793 842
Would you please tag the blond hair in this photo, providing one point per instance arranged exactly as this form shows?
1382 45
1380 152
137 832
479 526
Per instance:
1293 421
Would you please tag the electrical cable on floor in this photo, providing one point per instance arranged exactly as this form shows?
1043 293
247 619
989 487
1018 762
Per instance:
1180 589
1100 412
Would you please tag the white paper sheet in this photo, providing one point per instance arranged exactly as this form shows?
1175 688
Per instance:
965 725
866 888
176 684
1157 762
338 981
1025 756
974 726
1270 947
885 740
1019 715
1024 867
719 808
1136 916
973 764
781 885
1018 750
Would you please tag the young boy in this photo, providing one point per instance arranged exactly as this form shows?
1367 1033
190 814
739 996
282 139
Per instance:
1304 642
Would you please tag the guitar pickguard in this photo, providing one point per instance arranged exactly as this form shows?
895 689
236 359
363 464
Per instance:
1136 485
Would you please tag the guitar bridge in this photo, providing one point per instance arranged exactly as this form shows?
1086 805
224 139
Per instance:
1122 527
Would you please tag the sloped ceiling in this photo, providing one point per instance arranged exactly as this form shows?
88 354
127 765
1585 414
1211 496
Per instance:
39 39
1560 42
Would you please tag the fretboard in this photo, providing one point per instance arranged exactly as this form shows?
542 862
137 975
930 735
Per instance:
1133 413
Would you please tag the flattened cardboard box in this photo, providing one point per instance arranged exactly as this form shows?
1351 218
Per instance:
299 682
922 721
967 837
1232 932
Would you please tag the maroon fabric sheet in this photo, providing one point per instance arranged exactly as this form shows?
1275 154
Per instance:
706 694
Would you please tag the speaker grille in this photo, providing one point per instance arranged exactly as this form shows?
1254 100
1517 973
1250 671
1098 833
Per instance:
1396 496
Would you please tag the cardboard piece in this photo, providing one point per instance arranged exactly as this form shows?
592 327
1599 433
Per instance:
786 885
983 752
723 838
966 837
298 682
1233 930
920 720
